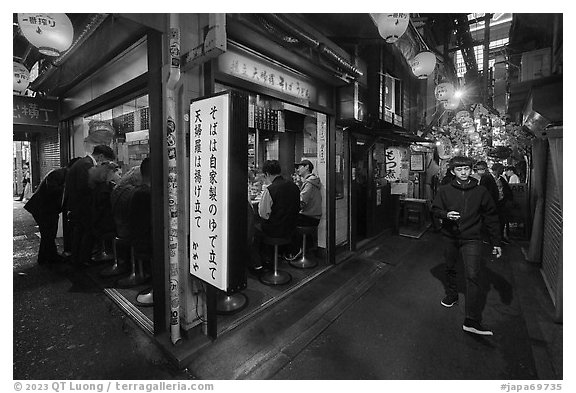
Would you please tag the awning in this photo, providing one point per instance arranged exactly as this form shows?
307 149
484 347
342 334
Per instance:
388 132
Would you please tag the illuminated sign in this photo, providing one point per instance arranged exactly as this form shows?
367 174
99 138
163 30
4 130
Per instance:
209 150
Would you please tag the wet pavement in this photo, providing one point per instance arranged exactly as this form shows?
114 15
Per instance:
64 327
375 316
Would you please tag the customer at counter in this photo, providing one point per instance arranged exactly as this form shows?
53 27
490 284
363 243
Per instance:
278 212
310 205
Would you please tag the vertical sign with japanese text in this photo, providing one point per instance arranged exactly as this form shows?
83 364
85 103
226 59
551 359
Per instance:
209 129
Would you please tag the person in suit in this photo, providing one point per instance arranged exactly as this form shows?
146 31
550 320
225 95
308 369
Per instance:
79 195
45 206
486 180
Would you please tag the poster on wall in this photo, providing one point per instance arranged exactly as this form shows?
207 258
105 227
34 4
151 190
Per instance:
209 149
396 165
417 162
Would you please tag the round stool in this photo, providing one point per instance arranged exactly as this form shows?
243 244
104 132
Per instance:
137 275
227 304
304 262
276 277
117 268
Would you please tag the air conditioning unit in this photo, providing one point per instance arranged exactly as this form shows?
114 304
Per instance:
352 103
536 64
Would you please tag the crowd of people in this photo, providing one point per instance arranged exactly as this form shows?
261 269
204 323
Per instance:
98 205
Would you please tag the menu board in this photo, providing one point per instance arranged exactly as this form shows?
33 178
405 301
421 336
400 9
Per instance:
209 128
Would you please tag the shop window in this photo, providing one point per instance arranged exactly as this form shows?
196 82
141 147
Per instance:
393 93
131 123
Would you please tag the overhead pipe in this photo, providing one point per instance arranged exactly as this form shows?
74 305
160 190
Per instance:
171 138
315 44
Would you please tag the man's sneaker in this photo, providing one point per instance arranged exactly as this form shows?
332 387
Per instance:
291 257
449 301
476 328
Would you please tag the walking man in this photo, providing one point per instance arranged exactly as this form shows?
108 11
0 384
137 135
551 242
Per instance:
465 208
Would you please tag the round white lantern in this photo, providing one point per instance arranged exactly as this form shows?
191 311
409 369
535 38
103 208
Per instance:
52 34
423 64
21 78
452 104
444 91
391 26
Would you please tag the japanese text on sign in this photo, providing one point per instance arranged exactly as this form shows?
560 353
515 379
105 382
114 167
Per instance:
265 75
209 189
35 111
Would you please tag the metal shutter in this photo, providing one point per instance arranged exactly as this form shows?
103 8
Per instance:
49 151
552 231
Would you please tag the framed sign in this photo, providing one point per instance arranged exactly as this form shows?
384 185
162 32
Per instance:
218 152
416 162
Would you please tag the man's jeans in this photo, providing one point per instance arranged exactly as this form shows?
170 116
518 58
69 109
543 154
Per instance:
471 251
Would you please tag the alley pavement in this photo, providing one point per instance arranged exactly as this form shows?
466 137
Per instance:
374 316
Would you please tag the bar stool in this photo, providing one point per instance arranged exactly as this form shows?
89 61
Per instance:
103 256
276 277
137 275
304 262
117 268
230 303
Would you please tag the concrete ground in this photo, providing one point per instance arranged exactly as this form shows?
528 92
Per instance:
374 316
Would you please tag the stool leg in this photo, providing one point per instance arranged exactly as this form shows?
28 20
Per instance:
275 277
116 268
304 262
133 279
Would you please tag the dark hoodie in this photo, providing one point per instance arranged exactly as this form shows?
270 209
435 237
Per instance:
476 207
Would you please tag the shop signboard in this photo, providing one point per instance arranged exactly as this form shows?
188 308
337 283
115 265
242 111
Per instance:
218 162
209 122
35 111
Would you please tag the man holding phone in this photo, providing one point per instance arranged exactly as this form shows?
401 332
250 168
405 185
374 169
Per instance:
467 212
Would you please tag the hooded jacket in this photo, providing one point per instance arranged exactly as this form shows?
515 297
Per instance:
476 207
311 197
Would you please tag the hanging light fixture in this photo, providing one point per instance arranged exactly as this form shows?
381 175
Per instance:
391 26
21 78
52 34
423 64
451 104
444 91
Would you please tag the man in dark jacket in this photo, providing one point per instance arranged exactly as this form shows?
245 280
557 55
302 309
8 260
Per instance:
486 179
45 206
465 208
278 209
79 195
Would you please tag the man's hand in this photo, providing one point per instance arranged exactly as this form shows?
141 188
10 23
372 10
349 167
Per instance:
497 251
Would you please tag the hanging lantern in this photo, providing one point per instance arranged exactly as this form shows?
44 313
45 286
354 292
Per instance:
444 91
423 64
391 26
452 104
52 34
21 78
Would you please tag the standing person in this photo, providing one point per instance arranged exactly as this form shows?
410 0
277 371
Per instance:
278 210
310 203
465 208
103 179
26 185
79 197
486 179
511 176
45 206
504 197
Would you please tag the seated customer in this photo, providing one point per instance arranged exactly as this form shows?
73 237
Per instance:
310 204
278 210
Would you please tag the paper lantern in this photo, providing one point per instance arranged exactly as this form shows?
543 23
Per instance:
391 26
423 64
452 104
52 34
21 78
444 91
